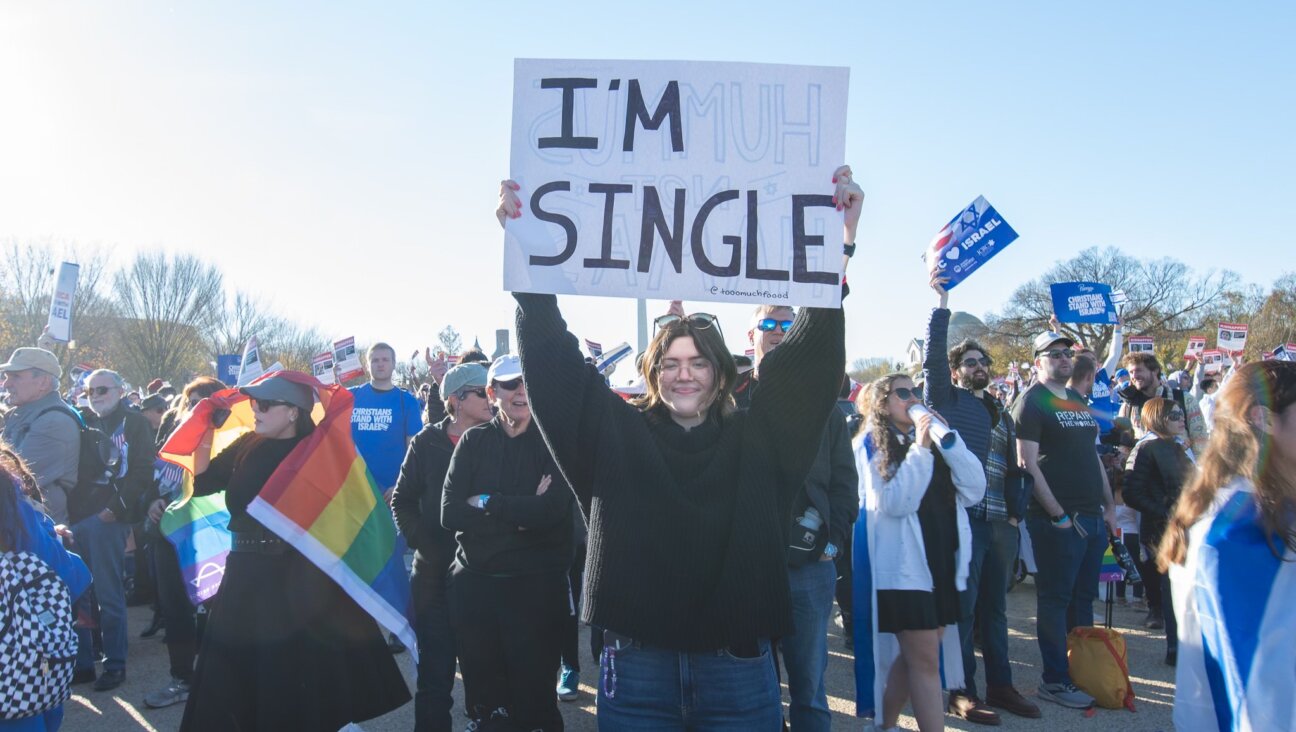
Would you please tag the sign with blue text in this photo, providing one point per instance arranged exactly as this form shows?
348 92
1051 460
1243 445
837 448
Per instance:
1083 302
968 241
227 367
60 313
677 180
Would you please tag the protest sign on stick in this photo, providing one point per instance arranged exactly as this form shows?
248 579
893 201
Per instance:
1196 344
1140 344
227 367
677 180
346 359
60 312
1284 352
1213 361
322 367
250 364
1083 302
968 241
1232 337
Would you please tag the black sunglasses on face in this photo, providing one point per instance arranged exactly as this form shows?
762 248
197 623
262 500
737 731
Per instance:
1062 353
463 393
905 393
1176 416
973 362
510 385
100 390
769 324
264 405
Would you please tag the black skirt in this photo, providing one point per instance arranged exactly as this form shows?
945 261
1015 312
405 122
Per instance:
286 649
927 610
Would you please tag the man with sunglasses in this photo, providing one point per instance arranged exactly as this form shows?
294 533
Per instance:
1072 513
101 522
1146 383
955 384
49 443
831 493
416 504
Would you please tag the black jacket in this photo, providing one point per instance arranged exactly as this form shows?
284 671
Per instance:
519 532
416 502
135 489
1155 473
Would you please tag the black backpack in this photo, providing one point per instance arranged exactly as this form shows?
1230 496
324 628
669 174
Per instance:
97 466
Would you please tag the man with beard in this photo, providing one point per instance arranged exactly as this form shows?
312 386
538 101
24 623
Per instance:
955 385
1145 384
1072 511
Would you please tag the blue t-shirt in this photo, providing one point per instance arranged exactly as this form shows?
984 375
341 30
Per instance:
379 425
1103 402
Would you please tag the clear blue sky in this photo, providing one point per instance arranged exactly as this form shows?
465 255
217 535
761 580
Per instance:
341 160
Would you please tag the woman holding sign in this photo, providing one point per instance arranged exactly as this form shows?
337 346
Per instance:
687 500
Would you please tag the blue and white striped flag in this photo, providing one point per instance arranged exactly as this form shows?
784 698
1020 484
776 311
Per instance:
595 349
1236 605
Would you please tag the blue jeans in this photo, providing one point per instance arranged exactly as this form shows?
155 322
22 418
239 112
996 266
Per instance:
646 688
805 652
994 547
103 547
1066 585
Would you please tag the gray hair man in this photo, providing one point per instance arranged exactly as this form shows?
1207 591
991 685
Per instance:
43 430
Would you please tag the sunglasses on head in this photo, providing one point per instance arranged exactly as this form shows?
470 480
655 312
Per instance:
480 391
769 324
697 320
264 405
100 390
974 362
1059 353
510 385
905 393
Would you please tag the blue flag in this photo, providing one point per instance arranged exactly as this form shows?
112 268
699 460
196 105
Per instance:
968 241
227 367
1083 302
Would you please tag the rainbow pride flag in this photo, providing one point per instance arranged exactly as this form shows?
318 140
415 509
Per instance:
321 500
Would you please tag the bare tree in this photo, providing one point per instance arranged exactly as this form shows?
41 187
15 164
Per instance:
1166 300
165 304
450 340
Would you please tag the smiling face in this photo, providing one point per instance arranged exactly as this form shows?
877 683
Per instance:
510 398
105 393
687 379
975 377
764 341
1145 379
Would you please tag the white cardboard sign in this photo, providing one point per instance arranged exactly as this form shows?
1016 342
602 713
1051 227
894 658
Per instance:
1196 344
60 313
677 180
1232 337
1140 344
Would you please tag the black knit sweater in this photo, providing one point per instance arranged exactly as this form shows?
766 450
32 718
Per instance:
687 537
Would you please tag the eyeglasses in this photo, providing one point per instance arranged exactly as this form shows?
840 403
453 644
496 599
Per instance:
1175 416
1061 353
463 393
100 390
972 362
264 405
697 320
510 385
906 394
769 324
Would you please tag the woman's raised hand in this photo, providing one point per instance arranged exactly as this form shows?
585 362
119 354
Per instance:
510 206
849 199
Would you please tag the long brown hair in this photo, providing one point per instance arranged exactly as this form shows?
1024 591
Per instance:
710 345
888 450
1238 449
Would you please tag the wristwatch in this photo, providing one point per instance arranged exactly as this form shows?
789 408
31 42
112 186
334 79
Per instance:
848 249
830 551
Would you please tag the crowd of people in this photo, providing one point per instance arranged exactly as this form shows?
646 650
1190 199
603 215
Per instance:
701 529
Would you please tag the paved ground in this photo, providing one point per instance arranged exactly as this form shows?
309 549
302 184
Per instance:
1154 684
